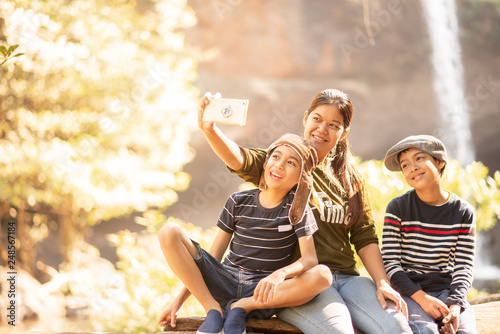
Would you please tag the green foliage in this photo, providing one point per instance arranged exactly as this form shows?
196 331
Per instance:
134 296
479 18
7 52
130 297
496 2
475 293
96 118
472 183
101 107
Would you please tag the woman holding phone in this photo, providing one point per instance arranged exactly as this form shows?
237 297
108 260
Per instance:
343 214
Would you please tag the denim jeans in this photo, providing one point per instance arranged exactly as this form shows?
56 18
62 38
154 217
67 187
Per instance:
349 297
422 323
226 283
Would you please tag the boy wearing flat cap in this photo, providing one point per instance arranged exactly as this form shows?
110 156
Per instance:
262 228
428 240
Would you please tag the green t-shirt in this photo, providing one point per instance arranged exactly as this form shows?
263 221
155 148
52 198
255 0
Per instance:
333 241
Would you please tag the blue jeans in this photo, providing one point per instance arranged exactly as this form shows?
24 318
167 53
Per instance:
349 297
422 323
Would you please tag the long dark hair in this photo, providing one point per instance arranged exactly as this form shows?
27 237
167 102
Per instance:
341 169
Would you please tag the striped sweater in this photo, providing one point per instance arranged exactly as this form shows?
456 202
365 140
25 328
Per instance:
429 248
263 238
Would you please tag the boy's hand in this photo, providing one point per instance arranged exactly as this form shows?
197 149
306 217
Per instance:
266 289
431 305
169 315
451 321
205 100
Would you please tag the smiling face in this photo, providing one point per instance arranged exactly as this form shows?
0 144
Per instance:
324 127
282 168
420 169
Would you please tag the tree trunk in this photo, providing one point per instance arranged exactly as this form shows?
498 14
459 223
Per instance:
26 247
4 208
67 231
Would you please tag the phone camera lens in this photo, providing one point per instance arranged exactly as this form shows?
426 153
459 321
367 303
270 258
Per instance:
226 111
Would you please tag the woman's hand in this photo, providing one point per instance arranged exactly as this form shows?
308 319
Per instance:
372 259
266 289
385 291
205 100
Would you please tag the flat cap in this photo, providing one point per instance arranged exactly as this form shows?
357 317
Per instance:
425 143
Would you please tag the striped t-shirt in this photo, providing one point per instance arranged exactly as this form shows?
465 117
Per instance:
429 248
263 239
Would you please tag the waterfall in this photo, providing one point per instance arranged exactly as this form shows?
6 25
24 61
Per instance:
448 83
442 24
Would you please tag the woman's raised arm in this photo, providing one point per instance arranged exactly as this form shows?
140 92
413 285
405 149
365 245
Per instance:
224 147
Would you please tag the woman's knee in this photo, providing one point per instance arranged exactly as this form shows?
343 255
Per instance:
319 316
396 322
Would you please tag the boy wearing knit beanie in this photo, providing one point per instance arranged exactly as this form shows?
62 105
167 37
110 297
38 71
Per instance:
262 227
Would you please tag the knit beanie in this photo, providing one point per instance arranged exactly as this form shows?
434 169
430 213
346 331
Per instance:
309 160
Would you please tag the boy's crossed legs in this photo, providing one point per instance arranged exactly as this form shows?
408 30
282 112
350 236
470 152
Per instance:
180 252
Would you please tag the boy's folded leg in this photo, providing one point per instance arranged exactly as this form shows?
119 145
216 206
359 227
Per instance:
235 319
213 323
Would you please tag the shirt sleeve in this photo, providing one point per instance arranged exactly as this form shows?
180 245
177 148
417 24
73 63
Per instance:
391 252
464 259
253 165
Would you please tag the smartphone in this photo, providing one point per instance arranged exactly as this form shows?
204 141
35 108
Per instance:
226 111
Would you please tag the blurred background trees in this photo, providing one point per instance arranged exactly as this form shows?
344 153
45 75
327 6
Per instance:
95 117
